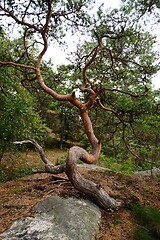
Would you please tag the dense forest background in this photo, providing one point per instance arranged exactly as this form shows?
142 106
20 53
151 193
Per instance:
129 129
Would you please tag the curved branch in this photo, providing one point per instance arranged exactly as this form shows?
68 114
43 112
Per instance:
43 34
95 143
127 93
37 146
13 64
85 79
109 110
49 167
94 191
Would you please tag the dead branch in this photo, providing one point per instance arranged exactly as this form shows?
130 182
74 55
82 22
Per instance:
37 146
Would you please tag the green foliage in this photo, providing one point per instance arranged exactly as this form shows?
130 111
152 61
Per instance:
127 166
18 116
13 172
18 119
142 7
142 234
148 220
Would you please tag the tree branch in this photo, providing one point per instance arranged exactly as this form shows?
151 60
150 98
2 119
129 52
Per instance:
17 65
109 110
37 146
21 22
127 93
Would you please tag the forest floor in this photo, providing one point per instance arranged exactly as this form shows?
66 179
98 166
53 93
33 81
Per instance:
17 197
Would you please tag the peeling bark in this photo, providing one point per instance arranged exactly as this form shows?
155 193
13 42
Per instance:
94 191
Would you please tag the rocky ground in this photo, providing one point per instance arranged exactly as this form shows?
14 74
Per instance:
19 196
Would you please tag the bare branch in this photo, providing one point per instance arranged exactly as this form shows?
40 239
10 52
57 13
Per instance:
49 167
127 93
37 146
26 10
109 110
21 22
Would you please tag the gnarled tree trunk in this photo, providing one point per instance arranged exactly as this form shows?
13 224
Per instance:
94 191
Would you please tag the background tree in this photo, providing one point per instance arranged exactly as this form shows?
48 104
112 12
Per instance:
18 118
144 6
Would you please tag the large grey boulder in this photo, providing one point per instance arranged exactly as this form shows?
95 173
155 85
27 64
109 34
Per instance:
57 219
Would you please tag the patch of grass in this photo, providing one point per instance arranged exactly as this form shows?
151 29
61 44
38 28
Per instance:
142 234
12 173
148 222
17 190
117 221
13 168
62 159
125 166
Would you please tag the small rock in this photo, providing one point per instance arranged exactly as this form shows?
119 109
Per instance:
153 172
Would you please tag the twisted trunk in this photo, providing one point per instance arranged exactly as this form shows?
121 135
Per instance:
94 191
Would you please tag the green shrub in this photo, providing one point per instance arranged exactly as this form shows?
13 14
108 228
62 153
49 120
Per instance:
142 234
124 166
12 173
148 219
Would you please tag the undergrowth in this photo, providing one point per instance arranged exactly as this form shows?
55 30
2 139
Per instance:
127 166
12 173
148 222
